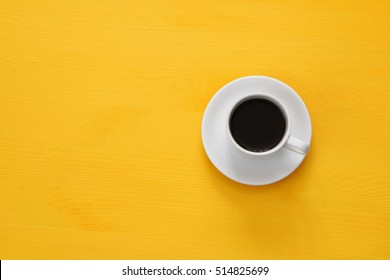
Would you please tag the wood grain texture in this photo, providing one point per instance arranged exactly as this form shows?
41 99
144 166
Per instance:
100 112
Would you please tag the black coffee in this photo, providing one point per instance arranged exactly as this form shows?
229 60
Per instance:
257 125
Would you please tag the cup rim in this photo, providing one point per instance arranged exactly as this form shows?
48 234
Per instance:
274 100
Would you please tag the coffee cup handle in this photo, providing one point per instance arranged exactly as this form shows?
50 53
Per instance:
296 145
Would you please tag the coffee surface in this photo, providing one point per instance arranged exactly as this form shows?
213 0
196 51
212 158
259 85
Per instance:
257 125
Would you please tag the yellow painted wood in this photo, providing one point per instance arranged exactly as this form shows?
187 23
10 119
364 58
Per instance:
100 113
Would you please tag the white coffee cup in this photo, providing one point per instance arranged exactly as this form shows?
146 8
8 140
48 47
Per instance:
288 142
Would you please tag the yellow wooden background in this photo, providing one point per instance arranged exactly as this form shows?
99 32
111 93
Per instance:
101 105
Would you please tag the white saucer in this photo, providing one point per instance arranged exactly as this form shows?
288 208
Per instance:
241 167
